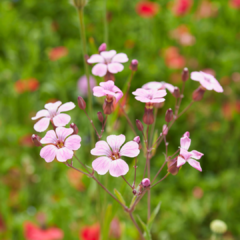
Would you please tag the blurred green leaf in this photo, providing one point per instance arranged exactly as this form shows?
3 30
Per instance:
147 233
119 196
153 216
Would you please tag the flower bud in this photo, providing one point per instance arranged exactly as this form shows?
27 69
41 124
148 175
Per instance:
146 182
165 130
218 226
81 103
103 47
172 166
79 4
176 92
186 134
74 127
198 94
115 229
36 140
148 117
185 74
134 65
139 125
108 106
134 192
100 116
137 139
109 76
169 115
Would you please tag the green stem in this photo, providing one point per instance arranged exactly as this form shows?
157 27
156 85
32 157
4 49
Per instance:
105 22
84 48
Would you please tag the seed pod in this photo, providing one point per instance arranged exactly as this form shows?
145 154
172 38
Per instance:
36 140
172 166
198 94
108 106
74 127
81 103
176 92
139 125
185 74
148 117
169 115
100 116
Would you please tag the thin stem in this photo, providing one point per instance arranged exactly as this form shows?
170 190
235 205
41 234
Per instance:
159 171
148 170
153 126
129 84
127 182
128 119
136 225
184 110
91 121
103 126
160 180
174 154
105 22
82 164
69 165
166 145
135 172
84 48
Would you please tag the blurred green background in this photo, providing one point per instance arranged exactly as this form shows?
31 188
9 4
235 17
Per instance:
29 29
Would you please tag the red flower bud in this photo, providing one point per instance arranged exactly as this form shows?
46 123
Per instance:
81 103
169 115
148 117
74 127
100 116
36 140
198 94
185 74
172 166
139 125
176 92
108 106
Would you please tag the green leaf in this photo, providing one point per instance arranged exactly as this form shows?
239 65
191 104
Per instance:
119 196
147 233
133 200
155 137
153 216
107 220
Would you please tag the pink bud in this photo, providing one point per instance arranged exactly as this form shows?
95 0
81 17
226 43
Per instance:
165 130
36 140
185 74
134 192
169 115
148 117
102 47
137 139
176 92
198 94
139 125
74 127
81 103
134 65
145 182
186 134
100 116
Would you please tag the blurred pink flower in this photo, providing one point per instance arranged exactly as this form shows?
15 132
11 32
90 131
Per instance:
90 232
235 3
173 59
57 53
206 9
186 156
108 89
53 113
158 86
181 7
32 232
147 9
107 61
150 96
83 85
110 159
25 85
60 146
207 81
183 36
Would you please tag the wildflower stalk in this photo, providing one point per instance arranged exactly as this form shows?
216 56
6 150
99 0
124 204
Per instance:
160 180
127 182
105 22
136 225
84 48
148 172
154 123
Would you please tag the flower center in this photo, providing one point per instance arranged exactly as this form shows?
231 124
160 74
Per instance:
115 155
207 79
60 144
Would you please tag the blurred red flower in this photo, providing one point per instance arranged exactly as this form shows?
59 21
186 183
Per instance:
26 141
25 85
57 53
147 9
206 9
32 232
181 7
75 179
235 3
173 59
90 232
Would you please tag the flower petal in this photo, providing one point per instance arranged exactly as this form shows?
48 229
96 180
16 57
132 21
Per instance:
108 54
98 91
107 85
152 85
99 69
48 153
63 154
159 94
130 149
49 138
41 113
61 120
185 154
196 154
101 165
115 142
180 161
63 132
53 106
101 149
95 58
66 107
169 87
73 142
120 57
42 124
115 67
195 164
185 142
196 76
118 168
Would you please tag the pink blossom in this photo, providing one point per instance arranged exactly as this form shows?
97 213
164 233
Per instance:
107 61
186 156
59 145
53 114
146 182
108 89
159 86
150 96
83 84
207 81
110 159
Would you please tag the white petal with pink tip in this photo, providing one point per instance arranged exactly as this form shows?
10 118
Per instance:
95 58
99 69
63 154
66 107
73 142
41 113
115 67
120 57
42 124
63 132
185 142
49 138
61 120
118 168
130 149
195 164
48 153
53 106
101 165
180 161
101 149
115 142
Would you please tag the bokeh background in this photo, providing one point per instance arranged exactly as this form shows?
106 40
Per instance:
199 35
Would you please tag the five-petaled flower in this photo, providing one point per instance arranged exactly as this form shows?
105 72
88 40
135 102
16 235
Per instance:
53 114
107 61
186 156
59 145
208 81
110 159
159 86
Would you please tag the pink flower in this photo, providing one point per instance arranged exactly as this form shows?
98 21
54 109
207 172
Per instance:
108 89
147 9
110 159
186 156
107 61
60 146
83 85
159 86
181 7
57 53
150 96
53 114
234 3
207 81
